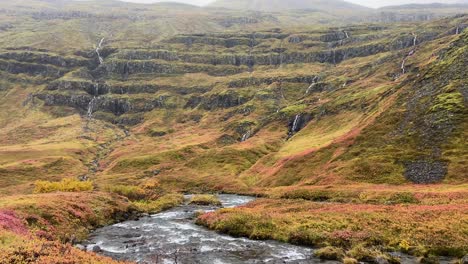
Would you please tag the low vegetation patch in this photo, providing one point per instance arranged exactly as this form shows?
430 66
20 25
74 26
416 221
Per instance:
133 193
65 185
33 250
330 253
40 228
356 228
165 202
149 190
205 200
63 216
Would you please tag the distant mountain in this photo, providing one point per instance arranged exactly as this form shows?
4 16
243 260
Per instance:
463 4
281 5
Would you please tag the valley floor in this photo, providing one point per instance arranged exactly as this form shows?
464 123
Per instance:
356 222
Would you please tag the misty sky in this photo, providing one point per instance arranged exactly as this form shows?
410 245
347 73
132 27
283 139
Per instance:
370 3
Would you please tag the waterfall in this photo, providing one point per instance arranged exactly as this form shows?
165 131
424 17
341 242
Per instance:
415 39
310 87
457 31
296 123
98 48
245 136
96 89
346 33
403 65
314 82
91 107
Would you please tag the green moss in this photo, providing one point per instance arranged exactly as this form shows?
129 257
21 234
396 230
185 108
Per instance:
362 253
293 110
131 192
165 202
205 200
452 102
65 185
330 253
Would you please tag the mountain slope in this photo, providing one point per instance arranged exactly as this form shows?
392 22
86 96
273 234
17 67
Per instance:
121 105
252 109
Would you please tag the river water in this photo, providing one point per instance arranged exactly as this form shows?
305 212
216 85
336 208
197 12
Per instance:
173 237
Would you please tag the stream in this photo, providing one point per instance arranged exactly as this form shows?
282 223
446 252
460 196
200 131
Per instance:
173 237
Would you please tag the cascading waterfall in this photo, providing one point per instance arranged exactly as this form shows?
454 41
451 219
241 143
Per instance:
92 103
246 136
98 48
415 39
346 34
296 123
314 82
91 107
403 65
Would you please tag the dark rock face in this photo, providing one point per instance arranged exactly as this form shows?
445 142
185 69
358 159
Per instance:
125 68
76 101
226 100
44 58
259 81
15 67
193 102
114 105
425 171
227 42
333 36
147 55
87 86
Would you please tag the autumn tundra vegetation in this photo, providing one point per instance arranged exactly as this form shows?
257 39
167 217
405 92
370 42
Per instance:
349 125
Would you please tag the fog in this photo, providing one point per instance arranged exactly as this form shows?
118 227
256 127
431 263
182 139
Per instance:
369 3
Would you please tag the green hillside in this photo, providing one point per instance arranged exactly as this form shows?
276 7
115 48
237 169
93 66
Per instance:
291 103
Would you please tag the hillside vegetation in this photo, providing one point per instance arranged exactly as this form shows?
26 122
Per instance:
353 130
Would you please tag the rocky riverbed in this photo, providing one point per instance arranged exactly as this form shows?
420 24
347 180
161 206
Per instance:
173 237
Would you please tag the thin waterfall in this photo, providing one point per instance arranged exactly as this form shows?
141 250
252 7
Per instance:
296 123
403 65
91 107
311 86
346 34
246 136
457 31
98 48
415 39
92 103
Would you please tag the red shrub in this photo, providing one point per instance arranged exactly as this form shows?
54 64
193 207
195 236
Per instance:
9 221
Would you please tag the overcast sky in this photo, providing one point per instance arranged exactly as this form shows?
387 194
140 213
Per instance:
370 3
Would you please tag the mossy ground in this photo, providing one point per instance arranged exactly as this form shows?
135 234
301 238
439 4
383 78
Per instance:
413 228
205 200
